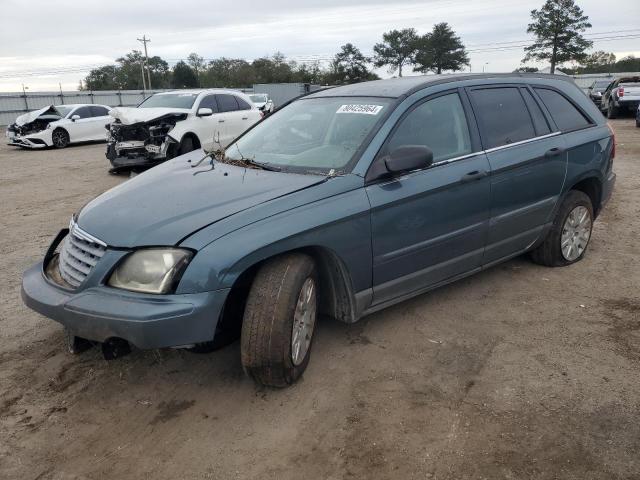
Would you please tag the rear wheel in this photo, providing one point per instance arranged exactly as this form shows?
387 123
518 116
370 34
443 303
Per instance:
568 239
279 320
60 138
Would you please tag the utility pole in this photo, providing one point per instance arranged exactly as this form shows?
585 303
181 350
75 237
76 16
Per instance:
144 40
144 82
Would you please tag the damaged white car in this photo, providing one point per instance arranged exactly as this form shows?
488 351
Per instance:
59 125
169 124
263 102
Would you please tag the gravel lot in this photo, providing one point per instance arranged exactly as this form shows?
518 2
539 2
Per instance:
518 372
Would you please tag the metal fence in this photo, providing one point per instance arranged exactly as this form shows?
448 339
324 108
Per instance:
14 104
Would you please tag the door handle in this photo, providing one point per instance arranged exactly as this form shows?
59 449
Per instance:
245 118
555 151
475 175
220 121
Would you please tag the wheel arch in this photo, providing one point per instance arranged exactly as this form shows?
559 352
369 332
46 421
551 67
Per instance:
194 137
592 187
337 298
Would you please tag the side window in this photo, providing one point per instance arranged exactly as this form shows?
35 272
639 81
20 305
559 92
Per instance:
440 124
563 112
242 105
539 121
209 102
503 116
227 103
98 111
83 112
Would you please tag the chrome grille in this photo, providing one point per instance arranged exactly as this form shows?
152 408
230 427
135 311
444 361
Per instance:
78 255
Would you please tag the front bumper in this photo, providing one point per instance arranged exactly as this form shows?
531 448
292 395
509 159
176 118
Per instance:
26 142
137 157
146 321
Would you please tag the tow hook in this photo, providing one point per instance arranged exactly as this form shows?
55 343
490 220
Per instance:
115 348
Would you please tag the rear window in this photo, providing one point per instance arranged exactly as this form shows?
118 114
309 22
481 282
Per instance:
227 103
503 116
542 127
242 105
563 112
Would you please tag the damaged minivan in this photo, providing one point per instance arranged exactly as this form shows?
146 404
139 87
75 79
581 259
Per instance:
169 124
340 204
59 125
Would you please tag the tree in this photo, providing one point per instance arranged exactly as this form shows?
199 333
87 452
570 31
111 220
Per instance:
102 78
196 62
349 66
558 28
183 76
440 50
397 49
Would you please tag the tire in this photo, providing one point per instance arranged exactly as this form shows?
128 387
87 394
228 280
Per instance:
268 324
60 138
612 111
186 146
550 252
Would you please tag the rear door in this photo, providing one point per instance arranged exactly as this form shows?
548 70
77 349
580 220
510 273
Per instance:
100 116
247 115
229 109
528 164
430 225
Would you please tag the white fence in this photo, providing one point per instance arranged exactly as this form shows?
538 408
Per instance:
14 104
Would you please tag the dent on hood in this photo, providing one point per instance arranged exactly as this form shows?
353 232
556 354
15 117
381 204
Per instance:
32 116
131 115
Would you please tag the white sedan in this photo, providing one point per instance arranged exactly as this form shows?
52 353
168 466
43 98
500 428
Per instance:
59 125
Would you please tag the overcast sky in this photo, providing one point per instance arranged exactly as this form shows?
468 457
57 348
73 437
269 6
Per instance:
40 38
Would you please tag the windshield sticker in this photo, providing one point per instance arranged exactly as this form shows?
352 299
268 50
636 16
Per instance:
364 109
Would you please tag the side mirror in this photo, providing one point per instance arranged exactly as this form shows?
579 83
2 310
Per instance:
407 158
204 112
75 117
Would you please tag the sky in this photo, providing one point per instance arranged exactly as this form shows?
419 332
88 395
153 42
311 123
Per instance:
48 44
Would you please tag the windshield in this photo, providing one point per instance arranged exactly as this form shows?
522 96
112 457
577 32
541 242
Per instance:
170 100
601 84
258 98
317 134
62 110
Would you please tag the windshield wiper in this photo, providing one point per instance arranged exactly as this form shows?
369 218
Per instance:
264 166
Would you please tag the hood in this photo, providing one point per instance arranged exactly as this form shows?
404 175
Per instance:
130 116
31 116
168 203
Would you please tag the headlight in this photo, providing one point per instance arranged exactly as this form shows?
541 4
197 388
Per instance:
152 270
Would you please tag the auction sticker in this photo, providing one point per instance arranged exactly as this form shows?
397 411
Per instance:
363 109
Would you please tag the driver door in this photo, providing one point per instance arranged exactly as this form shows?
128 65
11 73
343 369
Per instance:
430 225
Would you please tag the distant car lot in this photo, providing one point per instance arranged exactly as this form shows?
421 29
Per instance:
519 372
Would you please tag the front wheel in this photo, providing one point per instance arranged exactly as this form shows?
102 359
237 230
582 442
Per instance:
60 138
279 320
568 239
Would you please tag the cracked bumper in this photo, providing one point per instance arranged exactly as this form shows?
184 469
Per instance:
144 320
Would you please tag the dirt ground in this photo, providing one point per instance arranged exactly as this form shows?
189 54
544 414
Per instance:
518 372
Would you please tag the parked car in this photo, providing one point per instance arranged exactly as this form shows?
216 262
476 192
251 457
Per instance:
59 125
622 95
263 102
340 204
638 117
597 88
169 124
